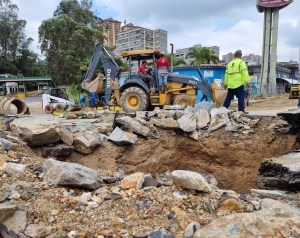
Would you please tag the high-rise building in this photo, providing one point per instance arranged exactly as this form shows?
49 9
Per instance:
139 38
111 30
228 57
251 59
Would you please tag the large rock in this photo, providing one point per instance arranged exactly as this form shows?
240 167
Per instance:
122 138
134 126
191 229
38 230
13 168
190 180
280 173
70 174
162 233
203 118
36 130
65 134
167 124
188 122
219 118
6 211
17 222
6 144
204 105
86 138
134 181
275 219
60 151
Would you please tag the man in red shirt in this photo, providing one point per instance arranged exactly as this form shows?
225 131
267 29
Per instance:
143 72
162 66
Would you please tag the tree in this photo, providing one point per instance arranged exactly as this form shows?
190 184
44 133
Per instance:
176 61
202 56
15 56
68 40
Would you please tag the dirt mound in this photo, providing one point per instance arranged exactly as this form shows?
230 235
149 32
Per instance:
233 158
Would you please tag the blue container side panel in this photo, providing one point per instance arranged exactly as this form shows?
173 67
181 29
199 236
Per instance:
210 73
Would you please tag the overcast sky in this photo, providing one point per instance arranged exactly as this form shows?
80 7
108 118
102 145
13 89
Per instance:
230 24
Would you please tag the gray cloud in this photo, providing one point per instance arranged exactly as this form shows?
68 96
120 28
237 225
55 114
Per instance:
230 24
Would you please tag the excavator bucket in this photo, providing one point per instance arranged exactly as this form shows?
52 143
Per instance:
96 85
218 94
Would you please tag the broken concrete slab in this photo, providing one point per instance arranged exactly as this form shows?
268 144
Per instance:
86 138
70 174
188 122
121 137
219 118
135 126
203 118
167 124
280 173
204 105
292 117
273 194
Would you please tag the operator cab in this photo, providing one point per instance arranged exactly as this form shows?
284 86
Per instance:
135 58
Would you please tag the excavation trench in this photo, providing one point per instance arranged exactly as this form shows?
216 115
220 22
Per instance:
233 159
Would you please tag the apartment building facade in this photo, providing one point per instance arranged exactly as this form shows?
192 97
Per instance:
139 38
111 29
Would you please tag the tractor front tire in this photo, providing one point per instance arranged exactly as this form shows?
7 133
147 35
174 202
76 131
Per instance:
183 100
134 99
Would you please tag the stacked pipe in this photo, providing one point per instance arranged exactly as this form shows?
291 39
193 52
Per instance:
7 103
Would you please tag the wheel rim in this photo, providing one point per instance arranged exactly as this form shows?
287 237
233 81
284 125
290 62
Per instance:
184 102
133 101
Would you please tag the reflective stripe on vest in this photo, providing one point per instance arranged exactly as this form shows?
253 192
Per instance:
232 69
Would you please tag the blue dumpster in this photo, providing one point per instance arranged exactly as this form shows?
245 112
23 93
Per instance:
212 73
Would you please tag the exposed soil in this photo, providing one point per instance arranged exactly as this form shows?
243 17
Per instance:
233 158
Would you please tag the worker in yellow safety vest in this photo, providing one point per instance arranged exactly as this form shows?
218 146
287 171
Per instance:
235 76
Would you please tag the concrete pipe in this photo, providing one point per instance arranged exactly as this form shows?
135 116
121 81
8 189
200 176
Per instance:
21 107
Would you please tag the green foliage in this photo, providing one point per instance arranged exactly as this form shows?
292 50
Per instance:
15 56
202 56
176 62
74 92
68 40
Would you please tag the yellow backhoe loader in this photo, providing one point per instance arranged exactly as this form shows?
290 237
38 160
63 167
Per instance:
135 93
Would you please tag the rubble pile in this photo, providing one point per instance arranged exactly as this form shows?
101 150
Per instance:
164 173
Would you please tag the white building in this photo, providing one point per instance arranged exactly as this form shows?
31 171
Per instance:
138 38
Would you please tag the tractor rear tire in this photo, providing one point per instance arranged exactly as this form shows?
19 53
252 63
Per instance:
134 99
59 107
184 100
49 109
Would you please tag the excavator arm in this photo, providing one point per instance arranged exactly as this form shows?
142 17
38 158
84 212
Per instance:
111 70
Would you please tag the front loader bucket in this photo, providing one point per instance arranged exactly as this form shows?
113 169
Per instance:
218 94
96 85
